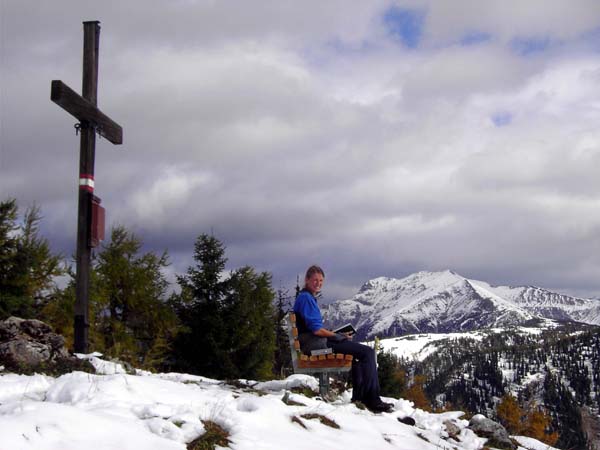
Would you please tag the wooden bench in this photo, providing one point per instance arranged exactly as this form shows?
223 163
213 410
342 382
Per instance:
321 365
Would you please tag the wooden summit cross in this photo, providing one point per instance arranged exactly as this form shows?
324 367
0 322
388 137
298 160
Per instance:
91 120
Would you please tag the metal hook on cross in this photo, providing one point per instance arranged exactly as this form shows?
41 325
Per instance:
97 129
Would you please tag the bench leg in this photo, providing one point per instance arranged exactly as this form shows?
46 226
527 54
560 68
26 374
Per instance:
323 384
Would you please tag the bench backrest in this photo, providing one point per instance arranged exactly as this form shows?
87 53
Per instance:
313 364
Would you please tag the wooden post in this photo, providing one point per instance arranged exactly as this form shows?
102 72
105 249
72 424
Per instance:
92 120
87 153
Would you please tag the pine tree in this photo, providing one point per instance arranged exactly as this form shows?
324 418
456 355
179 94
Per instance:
250 342
200 347
392 378
566 416
283 359
8 251
228 322
27 265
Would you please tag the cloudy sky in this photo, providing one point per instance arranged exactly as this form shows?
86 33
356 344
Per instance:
376 138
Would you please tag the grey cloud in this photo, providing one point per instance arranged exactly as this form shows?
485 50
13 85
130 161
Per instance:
368 159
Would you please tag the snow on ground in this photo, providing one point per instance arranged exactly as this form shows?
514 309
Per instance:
116 410
531 444
420 346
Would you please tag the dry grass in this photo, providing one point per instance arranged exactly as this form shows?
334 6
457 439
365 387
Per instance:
213 436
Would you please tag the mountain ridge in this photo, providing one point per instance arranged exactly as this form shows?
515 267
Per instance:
449 302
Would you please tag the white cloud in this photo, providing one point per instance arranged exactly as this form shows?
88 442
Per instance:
166 198
301 136
505 20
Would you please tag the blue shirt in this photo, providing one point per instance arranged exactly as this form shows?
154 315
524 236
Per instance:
306 307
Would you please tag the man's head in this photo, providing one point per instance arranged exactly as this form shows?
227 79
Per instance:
314 279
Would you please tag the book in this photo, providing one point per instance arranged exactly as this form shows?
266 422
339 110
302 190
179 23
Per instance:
348 328
321 351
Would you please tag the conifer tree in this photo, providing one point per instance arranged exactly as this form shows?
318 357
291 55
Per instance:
510 414
228 322
27 265
130 317
8 251
250 342
392 378
200 346
537 425
134 318
283 359
416 394
567 417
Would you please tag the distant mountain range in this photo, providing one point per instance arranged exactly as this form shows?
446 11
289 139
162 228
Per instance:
442 302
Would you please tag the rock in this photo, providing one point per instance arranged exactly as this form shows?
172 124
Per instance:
495 433
452 429
20 352
407 420
29 345
590 424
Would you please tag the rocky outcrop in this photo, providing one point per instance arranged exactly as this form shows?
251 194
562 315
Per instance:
495 433
590 424
29 345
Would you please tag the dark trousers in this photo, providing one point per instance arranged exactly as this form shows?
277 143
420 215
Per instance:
365 384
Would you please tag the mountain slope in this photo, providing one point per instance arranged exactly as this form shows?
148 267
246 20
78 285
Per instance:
442 302
556 368
117 410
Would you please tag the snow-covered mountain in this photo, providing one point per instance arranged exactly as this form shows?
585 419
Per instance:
444 302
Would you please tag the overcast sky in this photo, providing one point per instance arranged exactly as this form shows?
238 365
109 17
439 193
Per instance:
376 138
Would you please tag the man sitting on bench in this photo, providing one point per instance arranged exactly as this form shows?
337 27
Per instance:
312 336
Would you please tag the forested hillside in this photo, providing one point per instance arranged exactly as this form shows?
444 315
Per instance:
555 373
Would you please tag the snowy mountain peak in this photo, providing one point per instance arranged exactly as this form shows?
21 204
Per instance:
446 302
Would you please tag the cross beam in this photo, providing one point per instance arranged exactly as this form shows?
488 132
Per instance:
92 120
85 111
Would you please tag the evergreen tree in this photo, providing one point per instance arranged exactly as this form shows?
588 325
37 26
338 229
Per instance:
200 307
566 417
59 310
8 240
27 265
250 342
392 378
283 359
228 322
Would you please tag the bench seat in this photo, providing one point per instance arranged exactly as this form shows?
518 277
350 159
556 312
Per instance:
320 365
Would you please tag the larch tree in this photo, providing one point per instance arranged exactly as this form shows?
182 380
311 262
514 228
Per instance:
510 414
133 315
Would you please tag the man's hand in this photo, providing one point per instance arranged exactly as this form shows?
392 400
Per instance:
338 337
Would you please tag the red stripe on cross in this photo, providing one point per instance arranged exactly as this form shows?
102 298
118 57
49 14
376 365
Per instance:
86 182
